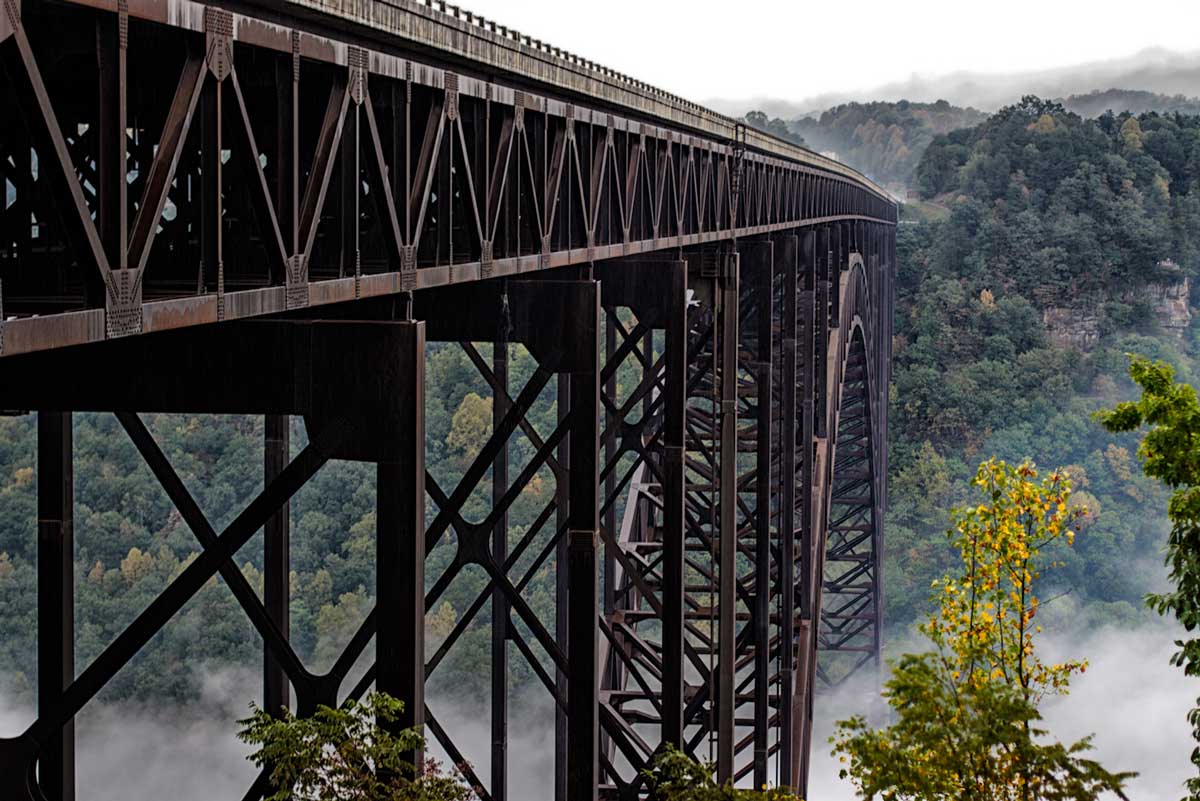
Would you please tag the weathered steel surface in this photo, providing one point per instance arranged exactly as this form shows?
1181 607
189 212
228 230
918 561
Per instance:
452 173
364 176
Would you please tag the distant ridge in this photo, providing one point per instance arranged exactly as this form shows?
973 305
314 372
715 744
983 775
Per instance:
1153 70
1135 101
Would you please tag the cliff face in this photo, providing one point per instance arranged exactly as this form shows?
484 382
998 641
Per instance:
1080 324
1072 326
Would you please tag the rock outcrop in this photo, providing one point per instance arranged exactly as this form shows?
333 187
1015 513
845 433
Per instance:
1080 324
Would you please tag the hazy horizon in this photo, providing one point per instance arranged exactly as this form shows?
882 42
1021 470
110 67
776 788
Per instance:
780 54
1156 70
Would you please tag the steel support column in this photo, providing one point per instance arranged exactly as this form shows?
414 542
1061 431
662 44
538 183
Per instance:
674 524
760 275
727 590
400 542
808 324
276 561
561 594
56 597
583 678
788 260
500 606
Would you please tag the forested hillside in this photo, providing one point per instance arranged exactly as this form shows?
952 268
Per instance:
1093 104
883 140
1058 240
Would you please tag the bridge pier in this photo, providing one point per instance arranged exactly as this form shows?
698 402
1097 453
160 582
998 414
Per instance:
276 561
56 596
349 381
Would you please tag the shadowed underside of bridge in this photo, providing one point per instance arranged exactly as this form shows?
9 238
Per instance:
271 208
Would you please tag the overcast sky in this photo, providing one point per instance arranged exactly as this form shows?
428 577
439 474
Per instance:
794 49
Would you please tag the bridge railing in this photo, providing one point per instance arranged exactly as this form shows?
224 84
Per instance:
463 34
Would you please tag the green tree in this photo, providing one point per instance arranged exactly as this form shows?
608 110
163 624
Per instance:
346 754
1170 452
677 777
470 428
966 713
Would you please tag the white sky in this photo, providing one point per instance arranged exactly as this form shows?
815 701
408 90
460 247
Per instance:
793 49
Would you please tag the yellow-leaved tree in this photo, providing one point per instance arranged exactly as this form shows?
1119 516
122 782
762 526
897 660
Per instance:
965 714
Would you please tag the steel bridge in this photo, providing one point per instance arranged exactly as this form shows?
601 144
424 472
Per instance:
271 207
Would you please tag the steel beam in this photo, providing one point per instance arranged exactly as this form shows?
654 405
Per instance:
759 272
583 680
56 597
674 522
791 454
727 591
276 561
400 540
500 607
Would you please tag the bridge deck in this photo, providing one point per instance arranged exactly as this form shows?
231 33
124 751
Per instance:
638 170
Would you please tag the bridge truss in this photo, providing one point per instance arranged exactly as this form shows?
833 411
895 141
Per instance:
272 209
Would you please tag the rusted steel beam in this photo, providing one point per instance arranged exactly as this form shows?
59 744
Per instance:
500 610
112 211
791 451
35 106
162 169
583 681
276 561
400 541
56 598
326 371
727 591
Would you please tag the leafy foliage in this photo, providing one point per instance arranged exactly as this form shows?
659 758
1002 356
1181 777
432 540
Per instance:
677 777
884 140
966 713
346 754
774 126
1170 453
1042 210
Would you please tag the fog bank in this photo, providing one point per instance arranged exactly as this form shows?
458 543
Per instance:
1155 70
1130 698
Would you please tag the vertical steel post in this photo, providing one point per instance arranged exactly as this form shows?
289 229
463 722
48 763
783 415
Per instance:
608 590
56 596
276 560
583 680
287 132
838 261
882 341
210 184
727 589
499 788
674 532
611 423
805 633
112 191
788 260
824 277
400 545
561 626
350 192
763 286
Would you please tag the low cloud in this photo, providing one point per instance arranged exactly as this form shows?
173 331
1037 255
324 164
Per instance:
1155 70
135 751
1130 698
